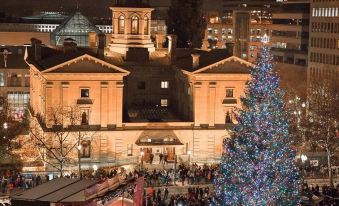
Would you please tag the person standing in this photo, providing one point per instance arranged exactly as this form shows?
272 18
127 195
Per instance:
165 158
166 193
151 158
160 158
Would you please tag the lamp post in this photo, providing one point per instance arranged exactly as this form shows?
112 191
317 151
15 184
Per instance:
303 158
189 152
175 168
5 125
79 160
298 107
142 153
95 168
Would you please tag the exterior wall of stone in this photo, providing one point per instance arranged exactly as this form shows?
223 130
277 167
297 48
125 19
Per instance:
111 147
21 38
63 90
209 91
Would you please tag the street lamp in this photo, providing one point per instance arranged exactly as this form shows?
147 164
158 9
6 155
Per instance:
95 168
298 106
303 158
5 125
79 160
189 152
142 153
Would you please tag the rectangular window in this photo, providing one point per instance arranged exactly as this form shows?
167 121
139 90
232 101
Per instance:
85 150
164 102
229 93
2 81
164 84
84 93
130 150
84 116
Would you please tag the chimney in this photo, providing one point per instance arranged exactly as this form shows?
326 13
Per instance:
172 47
36 44
92 38
195 60
230 47
159 38
101 46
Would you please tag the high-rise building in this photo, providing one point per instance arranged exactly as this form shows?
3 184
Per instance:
243 23
323 51
14 80
290 32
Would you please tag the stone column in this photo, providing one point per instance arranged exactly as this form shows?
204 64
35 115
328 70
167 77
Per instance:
119 99
172 47
197 105
211 103
112 99
104 104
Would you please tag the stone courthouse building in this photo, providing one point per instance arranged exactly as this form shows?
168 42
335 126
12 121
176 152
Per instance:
137 99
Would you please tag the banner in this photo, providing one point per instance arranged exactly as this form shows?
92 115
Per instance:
139 192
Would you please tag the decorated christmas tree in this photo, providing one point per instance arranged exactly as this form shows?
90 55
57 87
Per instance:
258 166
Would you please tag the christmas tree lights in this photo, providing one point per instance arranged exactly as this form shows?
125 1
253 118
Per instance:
258 166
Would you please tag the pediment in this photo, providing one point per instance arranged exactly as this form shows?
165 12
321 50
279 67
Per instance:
231 65
85 64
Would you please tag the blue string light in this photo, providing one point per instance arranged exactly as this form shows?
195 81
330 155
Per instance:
258 167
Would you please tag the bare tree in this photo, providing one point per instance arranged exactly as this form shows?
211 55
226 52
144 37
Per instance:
10 129
57 138
323 118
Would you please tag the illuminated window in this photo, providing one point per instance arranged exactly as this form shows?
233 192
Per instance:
164 102
2 80
121 25
135 25
164 84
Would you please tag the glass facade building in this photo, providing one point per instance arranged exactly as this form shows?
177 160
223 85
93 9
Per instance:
76 27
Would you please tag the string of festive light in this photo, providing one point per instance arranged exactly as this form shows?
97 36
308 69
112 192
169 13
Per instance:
258 166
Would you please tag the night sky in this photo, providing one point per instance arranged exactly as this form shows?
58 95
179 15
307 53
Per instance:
97 8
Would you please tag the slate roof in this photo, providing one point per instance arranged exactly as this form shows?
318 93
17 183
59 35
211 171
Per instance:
54 56
184 58
15 60
85 66
228 67
55 190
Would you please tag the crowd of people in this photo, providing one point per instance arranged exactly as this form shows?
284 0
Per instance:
314 195
9 182
195 196
192 175
320 171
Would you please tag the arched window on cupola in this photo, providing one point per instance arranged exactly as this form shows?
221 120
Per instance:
134 25
121 25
